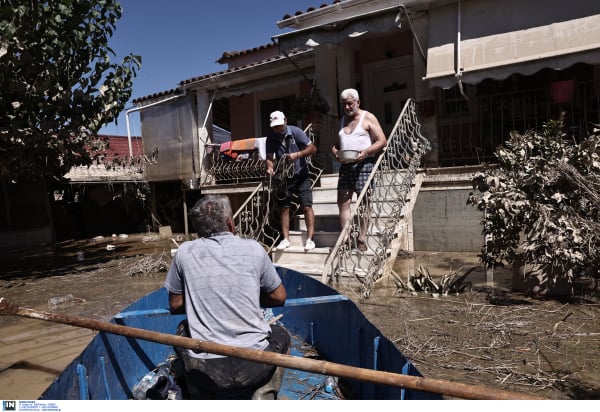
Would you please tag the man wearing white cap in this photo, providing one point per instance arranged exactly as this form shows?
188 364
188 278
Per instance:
290 142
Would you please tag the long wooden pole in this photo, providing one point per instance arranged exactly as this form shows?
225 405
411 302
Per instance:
447 388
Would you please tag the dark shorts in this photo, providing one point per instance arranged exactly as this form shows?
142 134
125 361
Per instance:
229 377
300 185
354 176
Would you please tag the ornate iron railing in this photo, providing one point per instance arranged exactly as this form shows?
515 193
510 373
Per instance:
381 207
222 169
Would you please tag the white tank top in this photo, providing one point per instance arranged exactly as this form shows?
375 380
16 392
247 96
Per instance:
358 139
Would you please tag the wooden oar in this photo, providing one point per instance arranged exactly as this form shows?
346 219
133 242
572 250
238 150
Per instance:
447 388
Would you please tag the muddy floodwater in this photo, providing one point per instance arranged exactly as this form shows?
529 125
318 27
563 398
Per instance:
486 335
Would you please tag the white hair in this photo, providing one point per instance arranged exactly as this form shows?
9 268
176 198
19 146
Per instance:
353 93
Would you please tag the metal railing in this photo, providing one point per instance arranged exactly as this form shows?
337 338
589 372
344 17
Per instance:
381 207
222 169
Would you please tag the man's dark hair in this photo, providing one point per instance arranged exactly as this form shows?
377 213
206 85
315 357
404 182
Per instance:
210 215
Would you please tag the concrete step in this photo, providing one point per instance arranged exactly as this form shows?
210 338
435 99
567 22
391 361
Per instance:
331 209
329 181
327 195
331 222
325 239
327 208
313 262
323 223
296 255
321 238
323 195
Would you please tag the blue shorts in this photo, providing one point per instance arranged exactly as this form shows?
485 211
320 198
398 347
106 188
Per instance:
300 185
354 176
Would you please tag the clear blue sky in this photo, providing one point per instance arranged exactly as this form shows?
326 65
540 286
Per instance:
181 39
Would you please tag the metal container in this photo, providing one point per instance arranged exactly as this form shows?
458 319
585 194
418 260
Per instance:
347 156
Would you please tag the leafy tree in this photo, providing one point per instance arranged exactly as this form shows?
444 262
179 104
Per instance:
58 86
542 202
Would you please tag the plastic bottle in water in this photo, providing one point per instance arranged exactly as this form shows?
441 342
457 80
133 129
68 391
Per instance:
329 384
139 389
57 301
163 369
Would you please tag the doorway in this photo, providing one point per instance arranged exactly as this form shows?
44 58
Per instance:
388 85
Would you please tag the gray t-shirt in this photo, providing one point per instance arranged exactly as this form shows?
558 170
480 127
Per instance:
221 278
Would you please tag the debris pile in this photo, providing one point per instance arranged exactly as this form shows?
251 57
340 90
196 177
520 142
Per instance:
146 265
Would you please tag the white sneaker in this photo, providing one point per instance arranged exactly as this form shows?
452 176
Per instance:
284 244
310 245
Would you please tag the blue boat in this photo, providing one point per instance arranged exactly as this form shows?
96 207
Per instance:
323 323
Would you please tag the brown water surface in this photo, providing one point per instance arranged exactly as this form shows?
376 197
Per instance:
486 335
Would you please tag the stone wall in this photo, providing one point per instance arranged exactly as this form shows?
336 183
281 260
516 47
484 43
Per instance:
442 220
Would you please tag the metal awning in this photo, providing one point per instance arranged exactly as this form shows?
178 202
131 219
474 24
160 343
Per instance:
339 30
557 45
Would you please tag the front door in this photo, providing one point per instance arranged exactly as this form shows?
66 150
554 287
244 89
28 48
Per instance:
388 84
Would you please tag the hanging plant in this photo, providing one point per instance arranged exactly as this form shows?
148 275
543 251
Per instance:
309 103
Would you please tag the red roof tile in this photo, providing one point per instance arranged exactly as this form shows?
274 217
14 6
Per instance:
232 54
118 146
298 13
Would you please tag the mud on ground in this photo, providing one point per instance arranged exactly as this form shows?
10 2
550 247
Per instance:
484 336
488 335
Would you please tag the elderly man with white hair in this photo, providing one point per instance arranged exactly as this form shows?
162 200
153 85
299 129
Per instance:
360 131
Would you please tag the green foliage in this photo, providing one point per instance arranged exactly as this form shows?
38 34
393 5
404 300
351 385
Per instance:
58 86
542 201
306 104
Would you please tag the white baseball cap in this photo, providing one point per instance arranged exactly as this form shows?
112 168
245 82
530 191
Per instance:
277 118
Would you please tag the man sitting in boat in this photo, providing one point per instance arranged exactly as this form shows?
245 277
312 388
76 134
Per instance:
221 281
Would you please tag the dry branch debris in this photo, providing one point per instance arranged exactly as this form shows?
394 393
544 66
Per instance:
146 265
533 346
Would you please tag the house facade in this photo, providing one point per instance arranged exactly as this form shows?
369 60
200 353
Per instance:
477 69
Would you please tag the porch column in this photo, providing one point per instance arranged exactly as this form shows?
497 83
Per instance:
204 112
